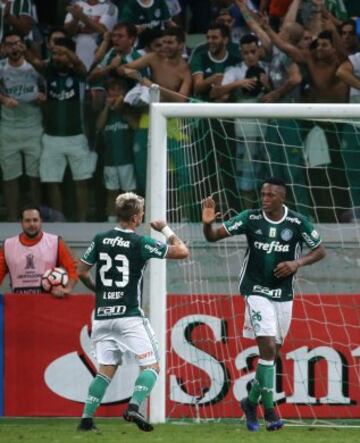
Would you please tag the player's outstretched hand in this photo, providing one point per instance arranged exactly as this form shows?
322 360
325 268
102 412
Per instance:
286 268
158 225
208 211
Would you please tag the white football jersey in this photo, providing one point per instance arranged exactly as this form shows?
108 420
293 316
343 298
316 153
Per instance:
104 12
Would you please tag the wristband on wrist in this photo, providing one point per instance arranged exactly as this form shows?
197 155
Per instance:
168 232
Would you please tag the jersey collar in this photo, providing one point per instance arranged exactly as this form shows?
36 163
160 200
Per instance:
117 228
286 209
145 6
215 60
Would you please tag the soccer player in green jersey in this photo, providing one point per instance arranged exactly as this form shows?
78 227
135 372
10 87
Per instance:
275 235
119 324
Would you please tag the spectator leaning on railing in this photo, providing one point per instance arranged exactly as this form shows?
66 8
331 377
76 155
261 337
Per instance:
171 72
25 257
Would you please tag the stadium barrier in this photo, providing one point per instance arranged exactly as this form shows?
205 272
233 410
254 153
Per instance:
48 361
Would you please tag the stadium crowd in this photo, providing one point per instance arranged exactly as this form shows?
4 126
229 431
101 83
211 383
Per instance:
74 98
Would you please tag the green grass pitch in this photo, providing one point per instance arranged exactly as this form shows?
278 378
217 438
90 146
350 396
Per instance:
59 430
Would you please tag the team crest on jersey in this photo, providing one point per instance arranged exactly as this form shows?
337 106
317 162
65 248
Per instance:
69 82
157 13
286 234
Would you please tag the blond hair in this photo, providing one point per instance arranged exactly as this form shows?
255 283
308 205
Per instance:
128 205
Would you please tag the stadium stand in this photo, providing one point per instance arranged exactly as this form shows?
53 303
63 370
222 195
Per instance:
289 44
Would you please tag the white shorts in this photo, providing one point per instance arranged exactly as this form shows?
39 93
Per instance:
119 177
266 318
111 338
14 143
58 151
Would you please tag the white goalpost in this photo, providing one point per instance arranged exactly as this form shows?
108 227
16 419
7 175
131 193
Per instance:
205 367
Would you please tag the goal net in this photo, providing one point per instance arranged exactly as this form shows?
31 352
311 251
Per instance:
226 151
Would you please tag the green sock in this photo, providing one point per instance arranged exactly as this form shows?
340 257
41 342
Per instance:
263 384
255 390
143 386
96 393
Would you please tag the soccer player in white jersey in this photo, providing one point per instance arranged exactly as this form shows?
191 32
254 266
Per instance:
120 256
275 235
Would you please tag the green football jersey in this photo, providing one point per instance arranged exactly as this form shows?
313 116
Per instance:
270 243
118 140
127 58
120 257
204 63
64 111
152 15
233 50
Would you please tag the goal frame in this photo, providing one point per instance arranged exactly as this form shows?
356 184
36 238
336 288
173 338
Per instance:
157 188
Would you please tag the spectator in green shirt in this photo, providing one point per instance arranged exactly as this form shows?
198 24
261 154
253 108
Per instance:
208 67
146 14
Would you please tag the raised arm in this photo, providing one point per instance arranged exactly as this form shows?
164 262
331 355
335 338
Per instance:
292 12
346 73
73 60
209 216
177 248
298 55
253 25
328 25
34 60
21 23
79 16
264 6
